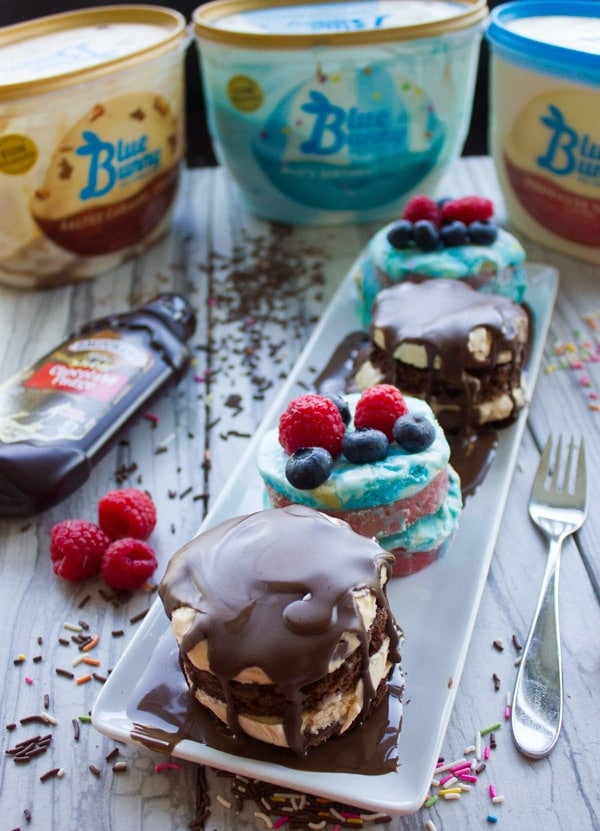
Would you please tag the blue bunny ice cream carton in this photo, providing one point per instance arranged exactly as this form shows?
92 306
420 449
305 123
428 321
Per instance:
328 111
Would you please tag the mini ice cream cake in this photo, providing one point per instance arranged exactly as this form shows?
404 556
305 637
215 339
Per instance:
457 348
283 624
455 239
379 460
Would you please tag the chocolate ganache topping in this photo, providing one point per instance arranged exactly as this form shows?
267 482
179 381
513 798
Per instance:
276 590
441 315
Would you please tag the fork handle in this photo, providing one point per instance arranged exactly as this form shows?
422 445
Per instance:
536 714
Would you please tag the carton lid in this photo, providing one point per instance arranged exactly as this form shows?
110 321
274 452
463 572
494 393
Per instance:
549 35
285 24
52 51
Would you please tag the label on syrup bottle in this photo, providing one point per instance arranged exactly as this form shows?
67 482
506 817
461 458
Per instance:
66 393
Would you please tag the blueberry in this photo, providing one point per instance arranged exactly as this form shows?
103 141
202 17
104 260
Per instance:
342 406
483 233
362 446
413 432
308 467
400 234
454 233
426 235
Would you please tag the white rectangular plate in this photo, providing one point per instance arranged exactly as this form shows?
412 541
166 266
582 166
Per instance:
443 597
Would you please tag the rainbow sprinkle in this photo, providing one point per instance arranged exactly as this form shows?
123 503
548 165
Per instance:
577 355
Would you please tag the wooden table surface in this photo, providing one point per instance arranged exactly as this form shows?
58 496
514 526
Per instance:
258 290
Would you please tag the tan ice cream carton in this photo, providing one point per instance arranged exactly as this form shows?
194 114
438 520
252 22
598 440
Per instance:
545 124
91 140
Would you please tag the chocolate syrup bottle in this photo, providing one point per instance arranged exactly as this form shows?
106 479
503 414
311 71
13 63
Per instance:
60 415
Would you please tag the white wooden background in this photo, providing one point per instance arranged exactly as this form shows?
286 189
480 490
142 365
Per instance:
185 457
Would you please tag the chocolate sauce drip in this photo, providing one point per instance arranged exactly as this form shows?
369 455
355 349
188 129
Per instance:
276 590
337 377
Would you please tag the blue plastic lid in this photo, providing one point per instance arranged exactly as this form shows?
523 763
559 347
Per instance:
529 32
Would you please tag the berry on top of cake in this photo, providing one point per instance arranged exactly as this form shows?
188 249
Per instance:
459 349
283 624
379 460
456 239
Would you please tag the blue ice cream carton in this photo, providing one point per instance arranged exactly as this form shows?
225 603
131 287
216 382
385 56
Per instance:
335 112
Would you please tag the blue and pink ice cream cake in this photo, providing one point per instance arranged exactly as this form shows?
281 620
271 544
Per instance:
383 469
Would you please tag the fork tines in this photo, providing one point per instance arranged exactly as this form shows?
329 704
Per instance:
552 478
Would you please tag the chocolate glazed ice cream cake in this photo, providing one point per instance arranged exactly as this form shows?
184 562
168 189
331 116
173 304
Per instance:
460 349
283 624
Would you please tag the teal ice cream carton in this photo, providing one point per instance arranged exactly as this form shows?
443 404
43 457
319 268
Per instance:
330 112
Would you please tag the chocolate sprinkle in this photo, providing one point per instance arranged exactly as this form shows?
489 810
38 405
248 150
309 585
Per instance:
25 750
35 719
202 801
50 774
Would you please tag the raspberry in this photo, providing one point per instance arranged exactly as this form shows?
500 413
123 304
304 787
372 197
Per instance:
422 207
127 513
127 564
467 209
379 407
76 549
312 421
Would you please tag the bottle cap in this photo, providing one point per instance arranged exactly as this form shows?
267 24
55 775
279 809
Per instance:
175 311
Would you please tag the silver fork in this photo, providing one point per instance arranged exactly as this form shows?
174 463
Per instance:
558 508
